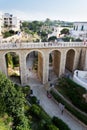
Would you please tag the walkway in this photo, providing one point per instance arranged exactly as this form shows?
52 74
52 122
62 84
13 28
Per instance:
52 108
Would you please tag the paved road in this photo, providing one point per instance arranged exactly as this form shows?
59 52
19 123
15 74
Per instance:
51 107
48 104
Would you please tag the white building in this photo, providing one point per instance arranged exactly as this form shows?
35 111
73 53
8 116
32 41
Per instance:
10 22
57 31
0 24
79 30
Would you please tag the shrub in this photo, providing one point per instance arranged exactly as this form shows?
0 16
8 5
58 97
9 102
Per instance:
50 127
74 92
33 100
60 124
38 112
35 110
26 90
80 116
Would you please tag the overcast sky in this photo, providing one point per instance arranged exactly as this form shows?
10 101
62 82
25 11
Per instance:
67 10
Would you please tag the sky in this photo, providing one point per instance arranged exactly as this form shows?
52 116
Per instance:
66 10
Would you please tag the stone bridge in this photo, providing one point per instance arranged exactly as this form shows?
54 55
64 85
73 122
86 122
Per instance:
70 55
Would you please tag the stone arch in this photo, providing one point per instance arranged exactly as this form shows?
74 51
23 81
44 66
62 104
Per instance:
12 61
54 63
70 55
34 64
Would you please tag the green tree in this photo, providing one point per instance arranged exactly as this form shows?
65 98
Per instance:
65 31
13 101
53 38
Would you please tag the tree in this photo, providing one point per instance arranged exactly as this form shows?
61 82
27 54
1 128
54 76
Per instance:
53 38
13 101
65 31
67 39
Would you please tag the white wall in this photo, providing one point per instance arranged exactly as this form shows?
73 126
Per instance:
80 78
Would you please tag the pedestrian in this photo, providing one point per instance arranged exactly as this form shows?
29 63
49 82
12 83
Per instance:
44 44
62 109
38 101
77 73
61 106
48 94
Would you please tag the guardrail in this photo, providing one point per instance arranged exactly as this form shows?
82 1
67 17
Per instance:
20 45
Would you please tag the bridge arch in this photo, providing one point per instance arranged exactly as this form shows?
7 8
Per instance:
34 64
54 63
70 56
12 61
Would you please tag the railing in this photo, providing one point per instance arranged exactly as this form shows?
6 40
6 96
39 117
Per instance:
26 45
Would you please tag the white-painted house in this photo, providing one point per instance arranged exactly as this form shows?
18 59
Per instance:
79 30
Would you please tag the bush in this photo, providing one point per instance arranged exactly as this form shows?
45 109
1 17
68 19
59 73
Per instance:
26 90
50 127
13 102
36 111
60 124
33 100
80 116
73 92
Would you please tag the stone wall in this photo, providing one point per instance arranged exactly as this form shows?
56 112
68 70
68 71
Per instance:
77 56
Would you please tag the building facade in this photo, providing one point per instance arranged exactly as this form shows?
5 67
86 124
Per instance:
10 22
57 31
79 30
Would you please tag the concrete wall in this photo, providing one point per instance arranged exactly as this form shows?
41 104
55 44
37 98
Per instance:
80 77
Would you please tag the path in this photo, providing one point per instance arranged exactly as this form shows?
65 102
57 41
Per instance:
52 108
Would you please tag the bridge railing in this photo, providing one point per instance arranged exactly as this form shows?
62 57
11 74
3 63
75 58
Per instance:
26 45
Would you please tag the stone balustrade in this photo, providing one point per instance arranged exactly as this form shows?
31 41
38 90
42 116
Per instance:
21 45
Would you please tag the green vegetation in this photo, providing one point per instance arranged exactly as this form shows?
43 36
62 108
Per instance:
75 96
13 103
72 110
65 31
73 92
43 28
53 38
5 122
9 33
68 39
17 114
60 124
12 60
40 120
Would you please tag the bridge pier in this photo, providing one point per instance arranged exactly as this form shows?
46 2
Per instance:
45 68
3 67
23 71
62 62
40 66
